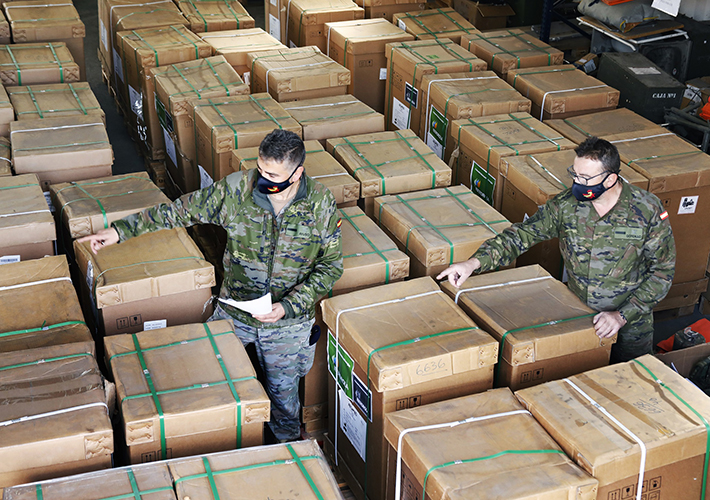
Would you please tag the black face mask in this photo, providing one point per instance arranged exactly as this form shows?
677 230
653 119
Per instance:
270 187
591 193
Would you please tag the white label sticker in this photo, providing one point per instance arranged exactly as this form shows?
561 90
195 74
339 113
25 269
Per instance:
688 204
435 145
274 27
103 34
273 2
90 278
402 25
48 199
155 325
352 424
170 146
670 7
205 178
247 77
9 259
383 73
645 71
136 101
291 44
117 65
400 114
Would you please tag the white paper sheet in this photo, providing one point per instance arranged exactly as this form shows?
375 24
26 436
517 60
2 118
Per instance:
257 307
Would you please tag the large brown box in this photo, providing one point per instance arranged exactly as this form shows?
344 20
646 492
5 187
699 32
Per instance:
683 295
154 280
61 149
431 447
336 116
562 91
679 174
511 49
27 229
275 19
545 331
209 15
399 346
37 63
360 47
297 469
437 227
42 289
87 207
485 16
297 73
438 24
407 63
627 420
209 401
48 21
482 143
529 182
5 156
55 414
7 113
601 124
236 44
228 123
306 20
386 9
319 165
54 99
454 96
4 29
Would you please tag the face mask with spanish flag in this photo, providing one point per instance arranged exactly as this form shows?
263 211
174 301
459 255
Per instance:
590 193
270 187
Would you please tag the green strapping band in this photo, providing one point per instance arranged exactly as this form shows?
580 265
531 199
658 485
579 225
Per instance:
664 156
219 78
14 61
415 18
41 328
98 202
556 70
579 129
369 242
170 344
59 146
473 212
210 478
46 360
59 63
488 457
135 51
19 186
305 473
136 493
421 157
38 492
428 224
34 101
78 100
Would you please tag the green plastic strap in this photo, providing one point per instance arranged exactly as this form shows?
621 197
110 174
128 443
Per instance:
473 212
179 72
415 18
59 146
191 42
134 484
78 99
34 101
305 473
98 202
579 129
369 163
18 186
14 62
697 414
664 156
421 157
210 478
41 328
204 21
46 360
488 457
429 225
38 492
556 70
170 344
149 45
369 242
219 78
59 63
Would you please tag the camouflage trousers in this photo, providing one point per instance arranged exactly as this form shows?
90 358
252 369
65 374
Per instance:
635 339
285 356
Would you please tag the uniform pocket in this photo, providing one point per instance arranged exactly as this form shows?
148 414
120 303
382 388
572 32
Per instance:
628 264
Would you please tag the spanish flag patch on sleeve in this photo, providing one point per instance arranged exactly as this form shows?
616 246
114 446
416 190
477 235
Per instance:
340 222
663 216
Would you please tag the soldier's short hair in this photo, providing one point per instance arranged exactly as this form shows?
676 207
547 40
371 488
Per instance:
600 150
283 146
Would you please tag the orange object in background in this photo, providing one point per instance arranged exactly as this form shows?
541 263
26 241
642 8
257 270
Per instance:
615 2
701 326
704 112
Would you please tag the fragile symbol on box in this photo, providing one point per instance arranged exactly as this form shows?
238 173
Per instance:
628 492
614 495
135 320
688 204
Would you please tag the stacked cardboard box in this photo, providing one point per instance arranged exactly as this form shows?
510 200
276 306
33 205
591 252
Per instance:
300 73
563 91
407 63
601 124
55 99
4 29
151 281
5 157
306 20
235 45
211 396
7 113
398 346
454 96
204 16
485 16
511 49
360 46
430 453
37 63
438 24
386 9
48 21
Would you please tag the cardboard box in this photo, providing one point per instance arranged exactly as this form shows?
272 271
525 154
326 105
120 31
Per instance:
485 16
7 113
319 165
437 24
430 447
683 360
407 63
159 278
390 163
37 63
437 227
212 397
531 181
149 480
511 49
228 123
5 156
215 16
697 91
636 395
27 228
300 73
482 143
588 63
601 124
61 149
275 22
264 472
360 47
561 92
55 414
454 96
306 20
235 45
48 21
55 99
683 295
4 30
336 116
383 9
87 207
399 346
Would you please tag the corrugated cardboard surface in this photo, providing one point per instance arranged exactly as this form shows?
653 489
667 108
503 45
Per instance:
4 30
7 113
151 265
24 215
236 44
215 16
43 20
390 162
683 295
305 19
86 207
298 468
151 480
5 156
673 435
195 370
485 16
601 124
489 471
434 24
388 10
561 92
37 63
62 379
56 99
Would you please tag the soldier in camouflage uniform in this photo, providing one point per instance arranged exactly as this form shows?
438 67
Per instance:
616 243
283 239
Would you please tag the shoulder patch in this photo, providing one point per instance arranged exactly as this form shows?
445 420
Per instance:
664 215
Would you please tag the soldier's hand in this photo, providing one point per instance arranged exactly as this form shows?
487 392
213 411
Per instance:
101 239
608 323
459 272
277 312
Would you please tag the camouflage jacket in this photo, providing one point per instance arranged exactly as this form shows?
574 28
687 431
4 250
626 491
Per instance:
623 261
296 256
